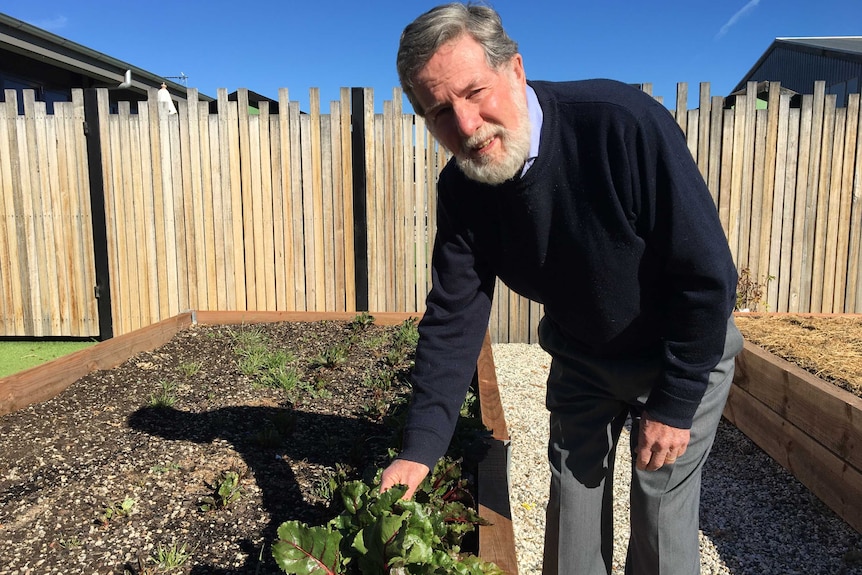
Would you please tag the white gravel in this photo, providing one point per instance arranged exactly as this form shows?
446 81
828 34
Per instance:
756 518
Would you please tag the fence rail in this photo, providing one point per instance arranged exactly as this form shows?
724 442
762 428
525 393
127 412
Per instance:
245 208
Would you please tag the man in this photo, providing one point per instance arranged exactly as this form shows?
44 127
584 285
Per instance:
582 196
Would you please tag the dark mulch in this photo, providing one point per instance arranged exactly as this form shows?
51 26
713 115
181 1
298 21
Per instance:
103 440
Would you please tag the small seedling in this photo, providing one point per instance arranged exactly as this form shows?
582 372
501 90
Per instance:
362 320
164 468
172 557
332 357
69 543
225 491
190 368
116 510
166 397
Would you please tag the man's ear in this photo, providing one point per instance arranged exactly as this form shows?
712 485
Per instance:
517 64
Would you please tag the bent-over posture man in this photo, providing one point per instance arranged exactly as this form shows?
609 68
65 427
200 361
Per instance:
582 196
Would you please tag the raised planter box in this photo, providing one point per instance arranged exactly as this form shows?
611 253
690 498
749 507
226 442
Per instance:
496 541
812 428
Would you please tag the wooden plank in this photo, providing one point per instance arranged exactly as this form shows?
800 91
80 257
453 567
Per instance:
298 241
497 543
835 483
829 414
158 192
833 284
854 272
47 380
309 232
767 239
844 271
326 219
703 130
347 201
12 308
85 224
820 207
814 167
320 261
716 152
757 210
286 146
267 207
246 206
195 199
234 186
423 233
149 241
339 286
385 208
210 260
777 227
799 286
788 169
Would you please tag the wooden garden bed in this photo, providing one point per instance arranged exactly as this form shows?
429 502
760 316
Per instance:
496 542
810 426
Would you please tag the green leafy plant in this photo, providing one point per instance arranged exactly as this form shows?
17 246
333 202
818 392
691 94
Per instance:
226 490
332 357
383 533
362 320
117 509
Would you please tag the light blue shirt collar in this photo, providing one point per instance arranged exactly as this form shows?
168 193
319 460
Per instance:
536 116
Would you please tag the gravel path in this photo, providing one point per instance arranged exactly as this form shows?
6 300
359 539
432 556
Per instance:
756 518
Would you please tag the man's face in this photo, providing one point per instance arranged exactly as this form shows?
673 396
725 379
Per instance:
478 113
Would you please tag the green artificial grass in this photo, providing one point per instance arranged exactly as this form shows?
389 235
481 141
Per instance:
16 356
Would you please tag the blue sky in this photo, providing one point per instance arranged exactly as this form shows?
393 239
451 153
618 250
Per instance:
263 46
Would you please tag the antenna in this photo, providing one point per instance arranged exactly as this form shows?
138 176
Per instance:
182 78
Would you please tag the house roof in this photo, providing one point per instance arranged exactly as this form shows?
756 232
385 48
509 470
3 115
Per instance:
22 38
846 48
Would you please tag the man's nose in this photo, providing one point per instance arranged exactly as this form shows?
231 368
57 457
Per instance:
468 119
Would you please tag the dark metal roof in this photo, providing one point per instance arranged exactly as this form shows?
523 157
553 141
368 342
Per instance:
799 62
843 44
18 37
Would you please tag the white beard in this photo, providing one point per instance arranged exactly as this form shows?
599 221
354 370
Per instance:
516 148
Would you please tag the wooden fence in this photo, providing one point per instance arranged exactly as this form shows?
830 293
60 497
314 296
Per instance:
238 209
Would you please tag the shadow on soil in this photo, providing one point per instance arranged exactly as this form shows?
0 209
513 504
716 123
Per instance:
258 434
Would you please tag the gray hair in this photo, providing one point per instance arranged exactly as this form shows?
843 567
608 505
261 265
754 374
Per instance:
424 36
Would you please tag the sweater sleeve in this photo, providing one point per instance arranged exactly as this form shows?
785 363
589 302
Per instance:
698 277
451 334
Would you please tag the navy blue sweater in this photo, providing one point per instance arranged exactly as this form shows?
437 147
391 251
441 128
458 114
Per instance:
612 229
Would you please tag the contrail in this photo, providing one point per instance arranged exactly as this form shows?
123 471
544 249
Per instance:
735 18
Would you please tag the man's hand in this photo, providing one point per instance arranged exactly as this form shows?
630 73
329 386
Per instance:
403 472
659 444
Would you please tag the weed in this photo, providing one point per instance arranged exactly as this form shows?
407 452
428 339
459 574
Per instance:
362 320
166 397
225 491
172 557
749 292
164 468
190 368
116 510
69 543
332 357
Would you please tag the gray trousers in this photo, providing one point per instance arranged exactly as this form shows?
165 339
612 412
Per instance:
589 401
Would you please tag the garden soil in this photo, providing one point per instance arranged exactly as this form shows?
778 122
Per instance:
107 476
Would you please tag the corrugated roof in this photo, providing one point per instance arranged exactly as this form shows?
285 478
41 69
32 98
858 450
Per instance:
835 56
848 44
